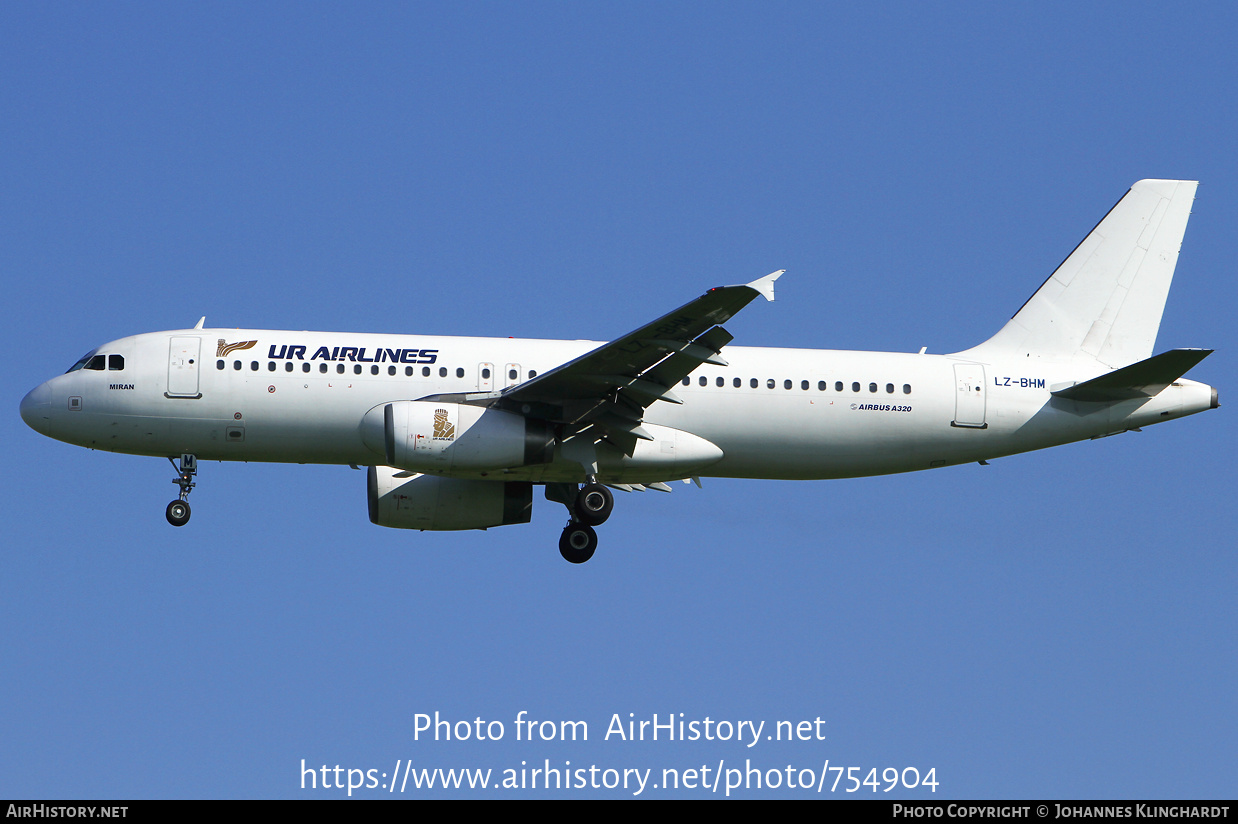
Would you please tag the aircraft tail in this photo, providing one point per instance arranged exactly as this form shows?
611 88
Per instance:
1104 302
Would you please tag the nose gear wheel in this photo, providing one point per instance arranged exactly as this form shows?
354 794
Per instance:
178 511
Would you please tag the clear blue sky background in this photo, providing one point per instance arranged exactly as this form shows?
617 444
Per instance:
1055 624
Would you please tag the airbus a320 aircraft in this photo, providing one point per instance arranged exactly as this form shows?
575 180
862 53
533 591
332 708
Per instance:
456 431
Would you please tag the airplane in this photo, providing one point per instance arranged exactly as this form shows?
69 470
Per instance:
455 432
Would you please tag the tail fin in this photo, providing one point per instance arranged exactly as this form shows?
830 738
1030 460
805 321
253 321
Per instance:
1105 301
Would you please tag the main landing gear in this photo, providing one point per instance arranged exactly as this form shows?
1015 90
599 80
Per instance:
178 511
590 506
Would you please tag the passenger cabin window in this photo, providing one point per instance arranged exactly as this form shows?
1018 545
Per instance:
485 374
253 366
236 364
721 381
737 383
906 389
288 366
305 367
115 363
512 374
754 383
271 366
889 389
425 371
219 364
855 386
704 381
687 381
442 371
838 386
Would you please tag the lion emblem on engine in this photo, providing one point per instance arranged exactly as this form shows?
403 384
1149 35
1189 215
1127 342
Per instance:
443 428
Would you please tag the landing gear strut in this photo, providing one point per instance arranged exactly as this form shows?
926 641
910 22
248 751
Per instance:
589 506
178 511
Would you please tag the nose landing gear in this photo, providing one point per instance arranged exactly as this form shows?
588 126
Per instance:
178 511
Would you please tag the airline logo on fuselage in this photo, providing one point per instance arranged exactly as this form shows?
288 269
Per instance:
224 347
357 354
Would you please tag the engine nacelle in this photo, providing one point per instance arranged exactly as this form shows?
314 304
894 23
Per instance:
406 500
442 437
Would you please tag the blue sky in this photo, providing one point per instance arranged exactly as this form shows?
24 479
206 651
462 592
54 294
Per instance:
1058 624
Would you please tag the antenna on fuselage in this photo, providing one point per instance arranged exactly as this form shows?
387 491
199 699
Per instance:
201 322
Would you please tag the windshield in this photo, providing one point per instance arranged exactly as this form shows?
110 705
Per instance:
82 361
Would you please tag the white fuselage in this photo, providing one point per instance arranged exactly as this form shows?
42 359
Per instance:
300 397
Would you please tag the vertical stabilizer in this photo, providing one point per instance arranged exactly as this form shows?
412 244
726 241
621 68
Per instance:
1105 301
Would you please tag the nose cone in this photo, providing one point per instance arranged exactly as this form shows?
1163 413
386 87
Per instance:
36 408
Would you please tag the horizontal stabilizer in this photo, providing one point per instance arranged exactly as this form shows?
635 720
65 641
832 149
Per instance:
1145 379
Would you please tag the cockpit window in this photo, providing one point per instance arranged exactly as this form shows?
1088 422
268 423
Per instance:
81 363
98 363
115 363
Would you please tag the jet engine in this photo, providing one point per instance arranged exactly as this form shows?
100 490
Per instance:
407 500
442 437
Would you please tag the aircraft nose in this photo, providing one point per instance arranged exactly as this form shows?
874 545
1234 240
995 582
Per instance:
36 408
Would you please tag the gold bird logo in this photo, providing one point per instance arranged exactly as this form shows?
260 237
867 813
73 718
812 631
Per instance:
224 347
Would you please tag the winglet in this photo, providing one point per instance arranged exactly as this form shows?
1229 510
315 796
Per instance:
765 285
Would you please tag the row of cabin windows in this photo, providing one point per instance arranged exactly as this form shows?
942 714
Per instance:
357 369
839 386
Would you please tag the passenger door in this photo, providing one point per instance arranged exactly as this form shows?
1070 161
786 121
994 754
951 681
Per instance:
184 360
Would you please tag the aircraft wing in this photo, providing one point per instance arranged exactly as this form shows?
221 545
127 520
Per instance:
610 387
